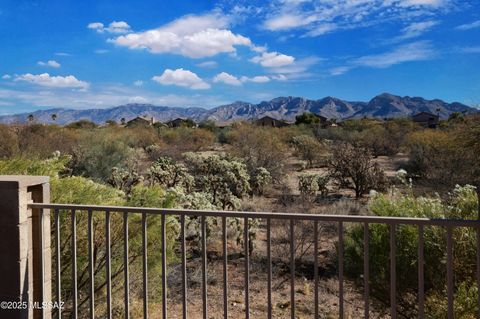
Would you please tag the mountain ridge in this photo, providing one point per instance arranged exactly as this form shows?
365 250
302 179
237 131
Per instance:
384 105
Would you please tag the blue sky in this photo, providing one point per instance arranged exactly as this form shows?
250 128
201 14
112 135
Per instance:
96 54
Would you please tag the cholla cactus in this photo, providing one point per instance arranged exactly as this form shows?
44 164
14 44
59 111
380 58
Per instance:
124 180
166 172
225 178
308 186
259 180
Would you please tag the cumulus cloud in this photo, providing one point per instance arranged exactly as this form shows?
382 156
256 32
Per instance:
468 26
6 76
45 79
194 36
117 27
227 79
138 83
50 63
273 59
183 78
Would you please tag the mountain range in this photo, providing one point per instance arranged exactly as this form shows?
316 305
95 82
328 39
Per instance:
381 106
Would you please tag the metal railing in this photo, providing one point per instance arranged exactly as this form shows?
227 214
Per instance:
339 220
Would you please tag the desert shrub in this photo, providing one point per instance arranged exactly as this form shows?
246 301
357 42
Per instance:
8 142
97 155
461 203
307 118
155 151
184 139
42 140
259 147
308 148
168 173
259 180
352 167
53 166
433 155
82 124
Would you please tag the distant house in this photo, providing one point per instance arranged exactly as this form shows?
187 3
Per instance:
141 121
271 122
426 119
179 122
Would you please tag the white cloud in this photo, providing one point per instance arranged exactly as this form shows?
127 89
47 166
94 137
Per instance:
138 99
273 59
416 29
50 63
62 54
434 3
279 77
6 76
45 79
339 70
100 97
468 26
317 17
416 51
117 27
256 79
321 30
183 78
208 64
138 83
288 21
191 36
227 79
299 67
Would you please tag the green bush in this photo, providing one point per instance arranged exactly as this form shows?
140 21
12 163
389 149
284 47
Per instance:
461 203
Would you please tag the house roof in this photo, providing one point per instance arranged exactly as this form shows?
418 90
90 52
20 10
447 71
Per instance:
425 113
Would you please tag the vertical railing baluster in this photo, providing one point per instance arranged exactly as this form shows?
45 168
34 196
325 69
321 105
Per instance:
225 267
41 236
478 270
204 267
58 277
247 267
126 274
340 269
108 265
74 265
315 269
450 272
269 268
292 269
91 272
164 267
421 277
366 269
144 264
184 267
58 272
393 273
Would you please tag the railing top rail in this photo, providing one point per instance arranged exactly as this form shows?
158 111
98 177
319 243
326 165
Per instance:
285 216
